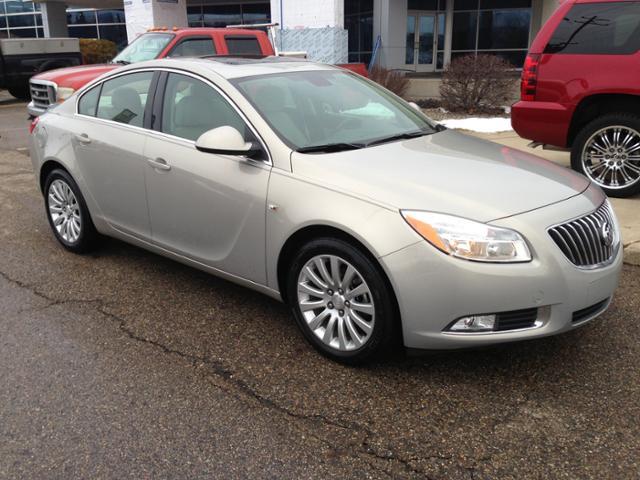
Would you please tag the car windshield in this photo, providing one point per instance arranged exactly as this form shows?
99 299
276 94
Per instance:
145 47
315 111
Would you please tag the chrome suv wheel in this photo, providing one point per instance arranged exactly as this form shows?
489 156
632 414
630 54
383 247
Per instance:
67 212
607 151
341 300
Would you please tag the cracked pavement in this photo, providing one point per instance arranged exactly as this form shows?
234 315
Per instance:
123 364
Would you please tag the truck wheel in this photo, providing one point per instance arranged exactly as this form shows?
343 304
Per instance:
607 151
22 93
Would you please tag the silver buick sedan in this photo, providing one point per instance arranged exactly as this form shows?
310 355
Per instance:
318 187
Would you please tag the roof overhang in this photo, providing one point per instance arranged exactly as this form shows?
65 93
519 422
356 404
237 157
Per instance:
88 3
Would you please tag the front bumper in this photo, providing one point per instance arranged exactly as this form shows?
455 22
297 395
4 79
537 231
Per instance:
34 110
434 289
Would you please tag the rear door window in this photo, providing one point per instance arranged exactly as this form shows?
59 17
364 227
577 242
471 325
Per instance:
123 99
611 28
194 47
243 45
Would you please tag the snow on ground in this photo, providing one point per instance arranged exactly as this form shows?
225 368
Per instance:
482 125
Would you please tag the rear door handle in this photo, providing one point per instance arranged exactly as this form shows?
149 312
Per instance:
159 163
83 138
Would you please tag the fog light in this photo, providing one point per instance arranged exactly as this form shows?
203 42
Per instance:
474 323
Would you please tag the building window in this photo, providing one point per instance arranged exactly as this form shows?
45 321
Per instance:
229 14
20 19
497 27
107 24
358 21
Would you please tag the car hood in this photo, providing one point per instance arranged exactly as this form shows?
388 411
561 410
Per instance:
445 172
75 77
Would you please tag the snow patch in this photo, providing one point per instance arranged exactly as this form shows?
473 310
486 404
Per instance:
482 125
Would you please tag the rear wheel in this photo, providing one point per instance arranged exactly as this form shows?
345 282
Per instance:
607 151
341 301
68 214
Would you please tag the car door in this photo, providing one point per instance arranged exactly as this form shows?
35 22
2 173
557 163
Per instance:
109 138
207 207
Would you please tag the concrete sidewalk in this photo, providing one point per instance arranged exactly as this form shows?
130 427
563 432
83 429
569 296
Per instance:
627 209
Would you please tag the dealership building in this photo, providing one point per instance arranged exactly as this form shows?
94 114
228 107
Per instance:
419 36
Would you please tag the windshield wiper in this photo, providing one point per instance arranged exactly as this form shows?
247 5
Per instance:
331 147
122 62
400 136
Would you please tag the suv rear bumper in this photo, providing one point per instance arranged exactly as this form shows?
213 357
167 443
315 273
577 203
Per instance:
543 122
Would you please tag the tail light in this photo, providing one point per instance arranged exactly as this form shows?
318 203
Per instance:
33 125
529 83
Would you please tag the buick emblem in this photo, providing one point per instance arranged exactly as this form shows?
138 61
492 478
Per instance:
606 234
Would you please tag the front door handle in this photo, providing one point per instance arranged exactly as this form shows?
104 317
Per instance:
83 138
159 163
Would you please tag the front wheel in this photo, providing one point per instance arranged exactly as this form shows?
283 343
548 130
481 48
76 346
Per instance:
607 151
341 301
22 93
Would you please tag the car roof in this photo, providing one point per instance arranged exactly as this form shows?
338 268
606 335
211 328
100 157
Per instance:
236 67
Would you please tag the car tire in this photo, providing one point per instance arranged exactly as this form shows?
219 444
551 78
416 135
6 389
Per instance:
21 93
68 214
354 317
605 159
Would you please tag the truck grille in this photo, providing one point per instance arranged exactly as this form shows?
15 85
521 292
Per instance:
588 241
42 94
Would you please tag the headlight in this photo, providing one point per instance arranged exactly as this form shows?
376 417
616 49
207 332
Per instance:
64 93
467 239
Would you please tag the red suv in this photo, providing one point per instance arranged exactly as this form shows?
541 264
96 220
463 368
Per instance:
581 90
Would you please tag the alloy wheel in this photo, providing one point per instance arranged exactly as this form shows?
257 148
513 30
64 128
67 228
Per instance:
64 211
336 302
611 157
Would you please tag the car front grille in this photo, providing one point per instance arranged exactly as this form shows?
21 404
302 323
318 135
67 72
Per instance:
42 94
580 315
516 319
584 241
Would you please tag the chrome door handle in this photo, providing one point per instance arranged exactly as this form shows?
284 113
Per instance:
83 138
159 163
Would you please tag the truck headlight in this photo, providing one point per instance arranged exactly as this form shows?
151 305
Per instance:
467 239
63 93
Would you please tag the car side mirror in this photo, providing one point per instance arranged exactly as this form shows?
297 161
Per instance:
415 106
227 141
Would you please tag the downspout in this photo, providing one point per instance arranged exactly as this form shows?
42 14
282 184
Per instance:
281 25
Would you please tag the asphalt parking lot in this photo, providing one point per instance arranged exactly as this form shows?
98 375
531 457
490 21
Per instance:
123 364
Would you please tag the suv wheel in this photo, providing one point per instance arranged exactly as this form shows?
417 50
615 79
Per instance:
341 301
68 214
607 151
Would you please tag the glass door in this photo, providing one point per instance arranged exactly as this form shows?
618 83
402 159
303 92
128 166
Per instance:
421 35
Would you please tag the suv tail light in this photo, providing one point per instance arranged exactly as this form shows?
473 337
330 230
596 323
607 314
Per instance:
33 125
529 82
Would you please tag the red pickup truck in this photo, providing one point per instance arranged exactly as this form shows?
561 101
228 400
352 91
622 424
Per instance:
580 91
57 85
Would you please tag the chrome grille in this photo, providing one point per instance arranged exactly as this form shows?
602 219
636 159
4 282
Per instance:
43 95
583 240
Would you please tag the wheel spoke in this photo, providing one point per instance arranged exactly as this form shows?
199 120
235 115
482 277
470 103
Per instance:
334 265
348 277
322 268
360 322
308 289
362 307
328 333
359 290
355 336
319 319
307 305
342 334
